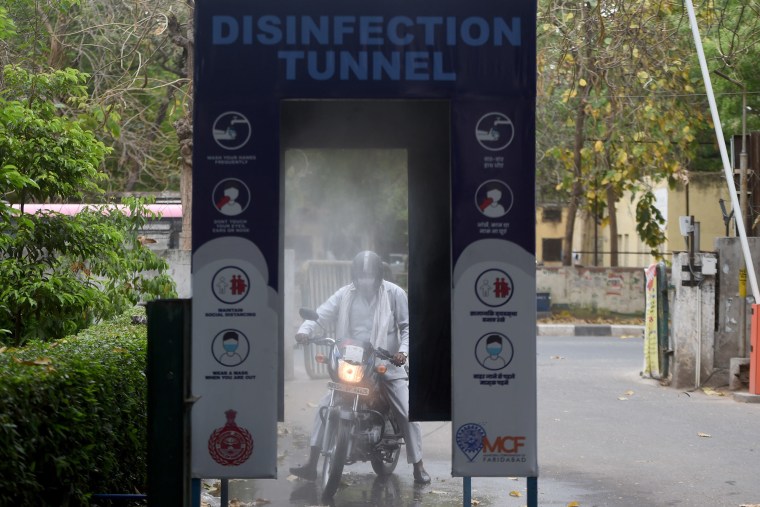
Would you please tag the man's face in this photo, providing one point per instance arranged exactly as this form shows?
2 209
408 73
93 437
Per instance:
365 285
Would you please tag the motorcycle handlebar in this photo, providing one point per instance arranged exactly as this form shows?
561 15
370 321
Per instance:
316 341
383 354
380 352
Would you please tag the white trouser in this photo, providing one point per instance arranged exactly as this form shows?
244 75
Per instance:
397 391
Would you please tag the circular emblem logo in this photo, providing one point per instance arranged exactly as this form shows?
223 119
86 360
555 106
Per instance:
494 351
230 347
231 130
469 439
494 198
495 131
494 288
230 285
231 197
230 445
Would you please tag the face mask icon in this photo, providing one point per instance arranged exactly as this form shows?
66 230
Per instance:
494 351
230 347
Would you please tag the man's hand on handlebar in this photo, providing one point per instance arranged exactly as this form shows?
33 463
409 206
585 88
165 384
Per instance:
302 338
399 359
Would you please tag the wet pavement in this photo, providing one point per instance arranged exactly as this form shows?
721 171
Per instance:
360 486
607 437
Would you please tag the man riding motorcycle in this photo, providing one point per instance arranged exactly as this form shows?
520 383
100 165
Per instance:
375 310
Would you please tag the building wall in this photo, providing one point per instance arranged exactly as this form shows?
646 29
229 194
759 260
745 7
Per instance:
548 228
585 232
632 252
179 269
703 194
701 200
617 290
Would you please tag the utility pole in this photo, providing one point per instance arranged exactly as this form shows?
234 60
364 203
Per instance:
743 157
743 162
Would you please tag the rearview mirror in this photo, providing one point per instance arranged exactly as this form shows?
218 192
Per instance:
308 314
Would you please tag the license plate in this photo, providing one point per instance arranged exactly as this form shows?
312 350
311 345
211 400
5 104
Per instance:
348 389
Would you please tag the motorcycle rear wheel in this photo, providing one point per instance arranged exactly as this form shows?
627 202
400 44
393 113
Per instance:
335 459
379 465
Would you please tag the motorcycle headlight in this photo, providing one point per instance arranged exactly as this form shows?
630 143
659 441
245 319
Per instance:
351 373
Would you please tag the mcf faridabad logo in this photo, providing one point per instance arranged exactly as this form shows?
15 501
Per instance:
230 445
469 439
472 440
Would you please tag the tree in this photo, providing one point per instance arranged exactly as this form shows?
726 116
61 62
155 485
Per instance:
731 39
732 43
137 75
612 75
59 273
138 56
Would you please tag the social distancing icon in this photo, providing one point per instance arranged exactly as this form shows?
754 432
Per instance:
230 285
494 288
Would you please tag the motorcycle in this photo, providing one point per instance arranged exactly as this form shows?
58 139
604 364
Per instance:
358 424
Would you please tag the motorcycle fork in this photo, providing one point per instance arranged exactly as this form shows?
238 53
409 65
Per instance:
352 422
328 419
332 417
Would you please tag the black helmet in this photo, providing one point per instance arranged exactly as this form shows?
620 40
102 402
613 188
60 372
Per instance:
367 264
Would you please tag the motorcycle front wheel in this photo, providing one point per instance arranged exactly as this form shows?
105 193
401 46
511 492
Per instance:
380 465
335 458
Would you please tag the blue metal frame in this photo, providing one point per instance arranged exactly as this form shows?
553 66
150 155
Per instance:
467 491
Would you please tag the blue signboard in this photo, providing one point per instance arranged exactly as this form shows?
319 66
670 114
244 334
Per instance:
250 55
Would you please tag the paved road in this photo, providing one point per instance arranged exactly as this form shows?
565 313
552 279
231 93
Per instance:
645 450
607 437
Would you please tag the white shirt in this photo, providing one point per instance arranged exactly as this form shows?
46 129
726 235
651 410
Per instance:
361 320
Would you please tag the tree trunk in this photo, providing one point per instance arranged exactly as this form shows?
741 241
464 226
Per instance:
580 138
572 210
184 128
612 195
577 192
57 53
612 213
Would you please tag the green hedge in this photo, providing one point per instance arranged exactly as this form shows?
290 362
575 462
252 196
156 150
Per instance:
73 416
